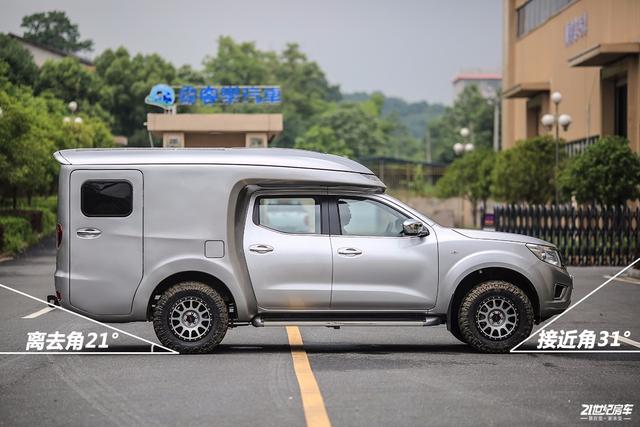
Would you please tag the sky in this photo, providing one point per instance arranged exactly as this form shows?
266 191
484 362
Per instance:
406 48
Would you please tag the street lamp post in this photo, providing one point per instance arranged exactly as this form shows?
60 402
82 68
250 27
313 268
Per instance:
73 106
461 148
556 119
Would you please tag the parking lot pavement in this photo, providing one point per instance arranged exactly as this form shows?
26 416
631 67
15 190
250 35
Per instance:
366 376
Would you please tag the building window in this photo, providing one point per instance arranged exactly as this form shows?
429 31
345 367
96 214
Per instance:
535 13
620 109
106 198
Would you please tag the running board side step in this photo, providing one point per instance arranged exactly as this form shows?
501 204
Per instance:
259 322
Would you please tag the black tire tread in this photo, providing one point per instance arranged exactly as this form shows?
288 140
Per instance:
214 337
467 328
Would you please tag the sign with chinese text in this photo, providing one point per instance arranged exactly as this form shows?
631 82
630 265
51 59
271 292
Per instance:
575 29
228 95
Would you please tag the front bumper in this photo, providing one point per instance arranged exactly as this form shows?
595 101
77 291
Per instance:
553 302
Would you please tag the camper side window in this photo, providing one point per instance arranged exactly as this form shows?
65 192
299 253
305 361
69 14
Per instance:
106 198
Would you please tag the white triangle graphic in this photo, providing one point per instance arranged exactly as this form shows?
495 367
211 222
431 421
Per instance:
153 345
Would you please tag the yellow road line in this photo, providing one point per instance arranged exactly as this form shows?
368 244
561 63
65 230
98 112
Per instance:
314 411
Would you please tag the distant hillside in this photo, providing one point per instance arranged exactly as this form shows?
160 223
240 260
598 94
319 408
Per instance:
414 115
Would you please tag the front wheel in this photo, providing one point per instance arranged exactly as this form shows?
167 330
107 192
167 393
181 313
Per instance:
495 316
190 317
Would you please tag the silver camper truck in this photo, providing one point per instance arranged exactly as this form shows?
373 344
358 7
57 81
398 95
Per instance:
201 240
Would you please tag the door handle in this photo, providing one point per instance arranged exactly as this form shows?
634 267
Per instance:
88 233
349 251
261 249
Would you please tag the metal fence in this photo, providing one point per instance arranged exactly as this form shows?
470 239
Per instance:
585 235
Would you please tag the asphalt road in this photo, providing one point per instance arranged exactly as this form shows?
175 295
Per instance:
366 376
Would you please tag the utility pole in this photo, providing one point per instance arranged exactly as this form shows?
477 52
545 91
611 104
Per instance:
556 119
496 125
428 141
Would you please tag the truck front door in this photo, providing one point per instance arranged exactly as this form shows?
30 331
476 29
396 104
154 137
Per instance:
375 266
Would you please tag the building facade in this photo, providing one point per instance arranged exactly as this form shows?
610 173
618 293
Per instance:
42 53
488 82
214 130
588 50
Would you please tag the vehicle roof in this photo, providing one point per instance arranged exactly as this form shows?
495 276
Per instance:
281 157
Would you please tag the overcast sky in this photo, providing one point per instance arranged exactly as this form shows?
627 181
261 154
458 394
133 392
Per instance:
410 49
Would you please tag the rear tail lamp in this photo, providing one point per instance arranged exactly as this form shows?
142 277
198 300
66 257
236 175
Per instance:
58 235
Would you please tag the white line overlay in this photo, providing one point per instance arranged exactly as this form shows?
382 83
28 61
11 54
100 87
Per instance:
169 351
39 313
514 349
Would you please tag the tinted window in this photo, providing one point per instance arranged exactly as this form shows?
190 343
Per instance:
106 198
362 217
299 215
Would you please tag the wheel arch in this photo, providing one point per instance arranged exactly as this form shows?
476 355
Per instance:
192 276
483 275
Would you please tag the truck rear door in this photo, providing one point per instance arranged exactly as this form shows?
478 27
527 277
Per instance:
106 253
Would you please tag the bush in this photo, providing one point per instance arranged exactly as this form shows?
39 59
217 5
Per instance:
526 172
17 234
49 208
608 173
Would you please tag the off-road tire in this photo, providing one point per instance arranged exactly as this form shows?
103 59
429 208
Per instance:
211 298
455 331
472 302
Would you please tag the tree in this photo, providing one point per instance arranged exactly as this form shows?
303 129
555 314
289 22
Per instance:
126 82
21 68
323 140
361 133
53 29
26 144
305 91
415 116
69 81
607 173
526 172
187 75
31 129
470 177
239 64
470 110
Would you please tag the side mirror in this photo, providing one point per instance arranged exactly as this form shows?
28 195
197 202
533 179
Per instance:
413 227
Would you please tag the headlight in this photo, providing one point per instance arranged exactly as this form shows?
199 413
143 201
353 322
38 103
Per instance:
546 253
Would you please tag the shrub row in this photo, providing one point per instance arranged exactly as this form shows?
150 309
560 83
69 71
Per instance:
22 227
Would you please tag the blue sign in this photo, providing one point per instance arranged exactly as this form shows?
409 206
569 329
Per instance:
228 95
161 96
575 29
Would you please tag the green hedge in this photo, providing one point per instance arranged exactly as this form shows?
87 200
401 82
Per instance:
49 208
17 234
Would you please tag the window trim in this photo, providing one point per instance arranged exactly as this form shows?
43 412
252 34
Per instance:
82 202
321 200
334 215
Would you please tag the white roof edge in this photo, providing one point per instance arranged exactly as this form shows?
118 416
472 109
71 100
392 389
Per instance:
279 157
60 158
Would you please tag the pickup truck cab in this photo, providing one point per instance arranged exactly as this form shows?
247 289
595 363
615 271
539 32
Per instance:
200 240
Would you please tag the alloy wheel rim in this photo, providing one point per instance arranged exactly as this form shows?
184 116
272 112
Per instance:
190 318
497 318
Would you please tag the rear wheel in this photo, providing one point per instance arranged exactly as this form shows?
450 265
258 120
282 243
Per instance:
190 317
495 316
